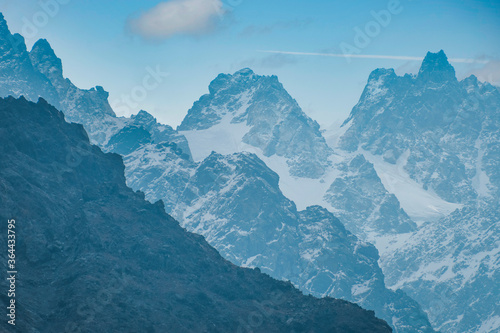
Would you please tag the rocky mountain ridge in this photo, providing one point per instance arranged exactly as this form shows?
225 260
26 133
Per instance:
158 162
94 256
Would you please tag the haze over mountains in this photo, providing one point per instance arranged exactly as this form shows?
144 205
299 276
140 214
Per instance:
414 170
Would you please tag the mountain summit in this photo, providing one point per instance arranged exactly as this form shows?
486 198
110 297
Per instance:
254 110
16 69
43 57
436 68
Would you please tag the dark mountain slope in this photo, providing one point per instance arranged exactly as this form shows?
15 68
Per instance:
94 256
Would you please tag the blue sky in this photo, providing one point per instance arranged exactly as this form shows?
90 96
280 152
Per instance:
116 43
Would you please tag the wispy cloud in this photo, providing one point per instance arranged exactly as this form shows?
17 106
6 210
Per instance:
177 17
488 73
371 56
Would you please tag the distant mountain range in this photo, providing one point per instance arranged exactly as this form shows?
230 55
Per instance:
94 256
413 170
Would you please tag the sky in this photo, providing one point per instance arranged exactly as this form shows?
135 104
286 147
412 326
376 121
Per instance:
160 56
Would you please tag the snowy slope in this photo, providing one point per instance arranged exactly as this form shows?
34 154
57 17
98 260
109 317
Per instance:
227 137
420 204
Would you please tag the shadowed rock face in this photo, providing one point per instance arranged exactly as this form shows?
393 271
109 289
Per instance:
94 256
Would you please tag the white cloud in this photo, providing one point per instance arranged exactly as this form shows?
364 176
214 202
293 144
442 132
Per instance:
488 73
177 17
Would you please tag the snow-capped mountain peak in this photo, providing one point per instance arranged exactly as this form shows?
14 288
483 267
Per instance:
225 82
246 109
144 118
17 70
11 45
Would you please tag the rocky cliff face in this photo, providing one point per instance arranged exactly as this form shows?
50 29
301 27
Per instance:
94 256
363 203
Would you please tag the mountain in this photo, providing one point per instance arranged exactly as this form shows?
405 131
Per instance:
158 162
235 202
415 171
254 113
93 255
433 116
440 137
359 198
17 74
260 113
